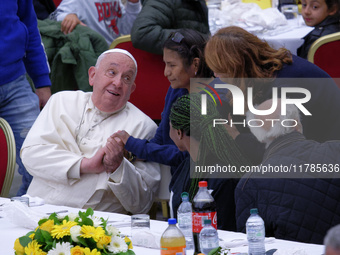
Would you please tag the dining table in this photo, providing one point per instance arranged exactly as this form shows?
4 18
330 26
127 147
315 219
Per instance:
291 37
273 26
11 229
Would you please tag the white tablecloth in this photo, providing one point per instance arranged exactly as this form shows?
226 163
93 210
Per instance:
9 232
290 40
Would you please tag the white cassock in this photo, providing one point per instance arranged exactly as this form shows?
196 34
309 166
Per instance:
70 128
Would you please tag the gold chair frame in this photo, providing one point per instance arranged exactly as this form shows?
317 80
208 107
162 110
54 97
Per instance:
321 41
11 157
120 39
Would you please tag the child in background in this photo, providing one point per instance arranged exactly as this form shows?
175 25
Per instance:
324 16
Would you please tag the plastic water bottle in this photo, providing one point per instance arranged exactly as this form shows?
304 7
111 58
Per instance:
203 207
255 233
208 237
172 240
184 216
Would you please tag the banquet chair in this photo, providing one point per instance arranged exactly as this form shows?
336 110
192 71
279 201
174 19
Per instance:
152 85
325 53
7 157
57 2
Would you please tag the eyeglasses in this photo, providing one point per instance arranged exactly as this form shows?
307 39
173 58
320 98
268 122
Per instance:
177 37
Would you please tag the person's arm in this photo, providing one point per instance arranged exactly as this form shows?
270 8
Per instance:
50 151
135 183
152 26
35 60
70 14
131 11
160 148
44 94
66 7
70 22
167 154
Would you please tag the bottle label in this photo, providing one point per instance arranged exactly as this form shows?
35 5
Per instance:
198 220
184 219
173 250
255 232
209 244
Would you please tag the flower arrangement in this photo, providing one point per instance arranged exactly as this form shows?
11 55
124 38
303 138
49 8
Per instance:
219 251
74 234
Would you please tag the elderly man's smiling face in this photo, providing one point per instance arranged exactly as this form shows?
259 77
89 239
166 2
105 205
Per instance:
113 81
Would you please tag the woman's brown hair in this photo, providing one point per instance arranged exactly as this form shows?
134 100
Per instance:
235 53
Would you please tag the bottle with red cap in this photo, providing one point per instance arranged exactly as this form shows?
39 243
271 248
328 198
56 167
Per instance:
204 207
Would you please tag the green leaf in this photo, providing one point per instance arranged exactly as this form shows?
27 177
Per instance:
42 221
30 233
47 247
82 241
24 240
91 243
87 221
54 243
215 251
39 236
89 212
104 224
47 236
54 217
128 252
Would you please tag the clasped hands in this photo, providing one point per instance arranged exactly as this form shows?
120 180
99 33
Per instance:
108 158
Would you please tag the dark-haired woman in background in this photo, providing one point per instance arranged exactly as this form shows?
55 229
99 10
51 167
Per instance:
184 59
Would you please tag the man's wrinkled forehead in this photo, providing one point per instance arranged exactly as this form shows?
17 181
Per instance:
116 50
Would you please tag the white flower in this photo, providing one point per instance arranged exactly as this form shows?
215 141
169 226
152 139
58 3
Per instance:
96 221
225 251
72 216
117 245
112 231
61 249
75 231
60 217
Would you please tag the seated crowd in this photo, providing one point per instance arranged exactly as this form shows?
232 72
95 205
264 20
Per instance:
96 149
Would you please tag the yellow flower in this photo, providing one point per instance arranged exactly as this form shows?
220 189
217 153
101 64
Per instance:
77 250
33 248
90 231
47 226
126 239
32 236
19 249
59 231
87 251
103 241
